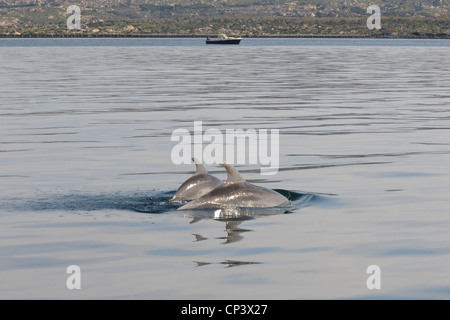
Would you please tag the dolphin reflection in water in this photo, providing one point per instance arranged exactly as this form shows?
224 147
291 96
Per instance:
236 192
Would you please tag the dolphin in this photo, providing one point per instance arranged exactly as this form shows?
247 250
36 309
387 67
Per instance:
236 192
197 185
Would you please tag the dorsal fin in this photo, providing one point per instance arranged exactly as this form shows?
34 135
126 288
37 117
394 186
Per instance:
233 174
200 168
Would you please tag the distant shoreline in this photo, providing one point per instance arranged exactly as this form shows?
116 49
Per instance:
343 36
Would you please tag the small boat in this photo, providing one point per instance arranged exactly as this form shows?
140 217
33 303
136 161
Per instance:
223 39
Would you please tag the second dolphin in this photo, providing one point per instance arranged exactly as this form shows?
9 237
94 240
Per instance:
197 185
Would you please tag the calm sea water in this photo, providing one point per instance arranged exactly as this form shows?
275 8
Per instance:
86 169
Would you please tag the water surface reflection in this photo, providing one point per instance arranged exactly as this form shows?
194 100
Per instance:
233 217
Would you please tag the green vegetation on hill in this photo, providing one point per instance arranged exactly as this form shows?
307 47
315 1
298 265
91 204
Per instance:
244 17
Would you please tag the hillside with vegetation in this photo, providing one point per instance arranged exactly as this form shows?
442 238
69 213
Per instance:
209 17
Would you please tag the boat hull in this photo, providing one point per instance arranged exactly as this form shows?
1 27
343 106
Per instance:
225 41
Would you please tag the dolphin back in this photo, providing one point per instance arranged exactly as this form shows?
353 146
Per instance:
196 186
240 194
